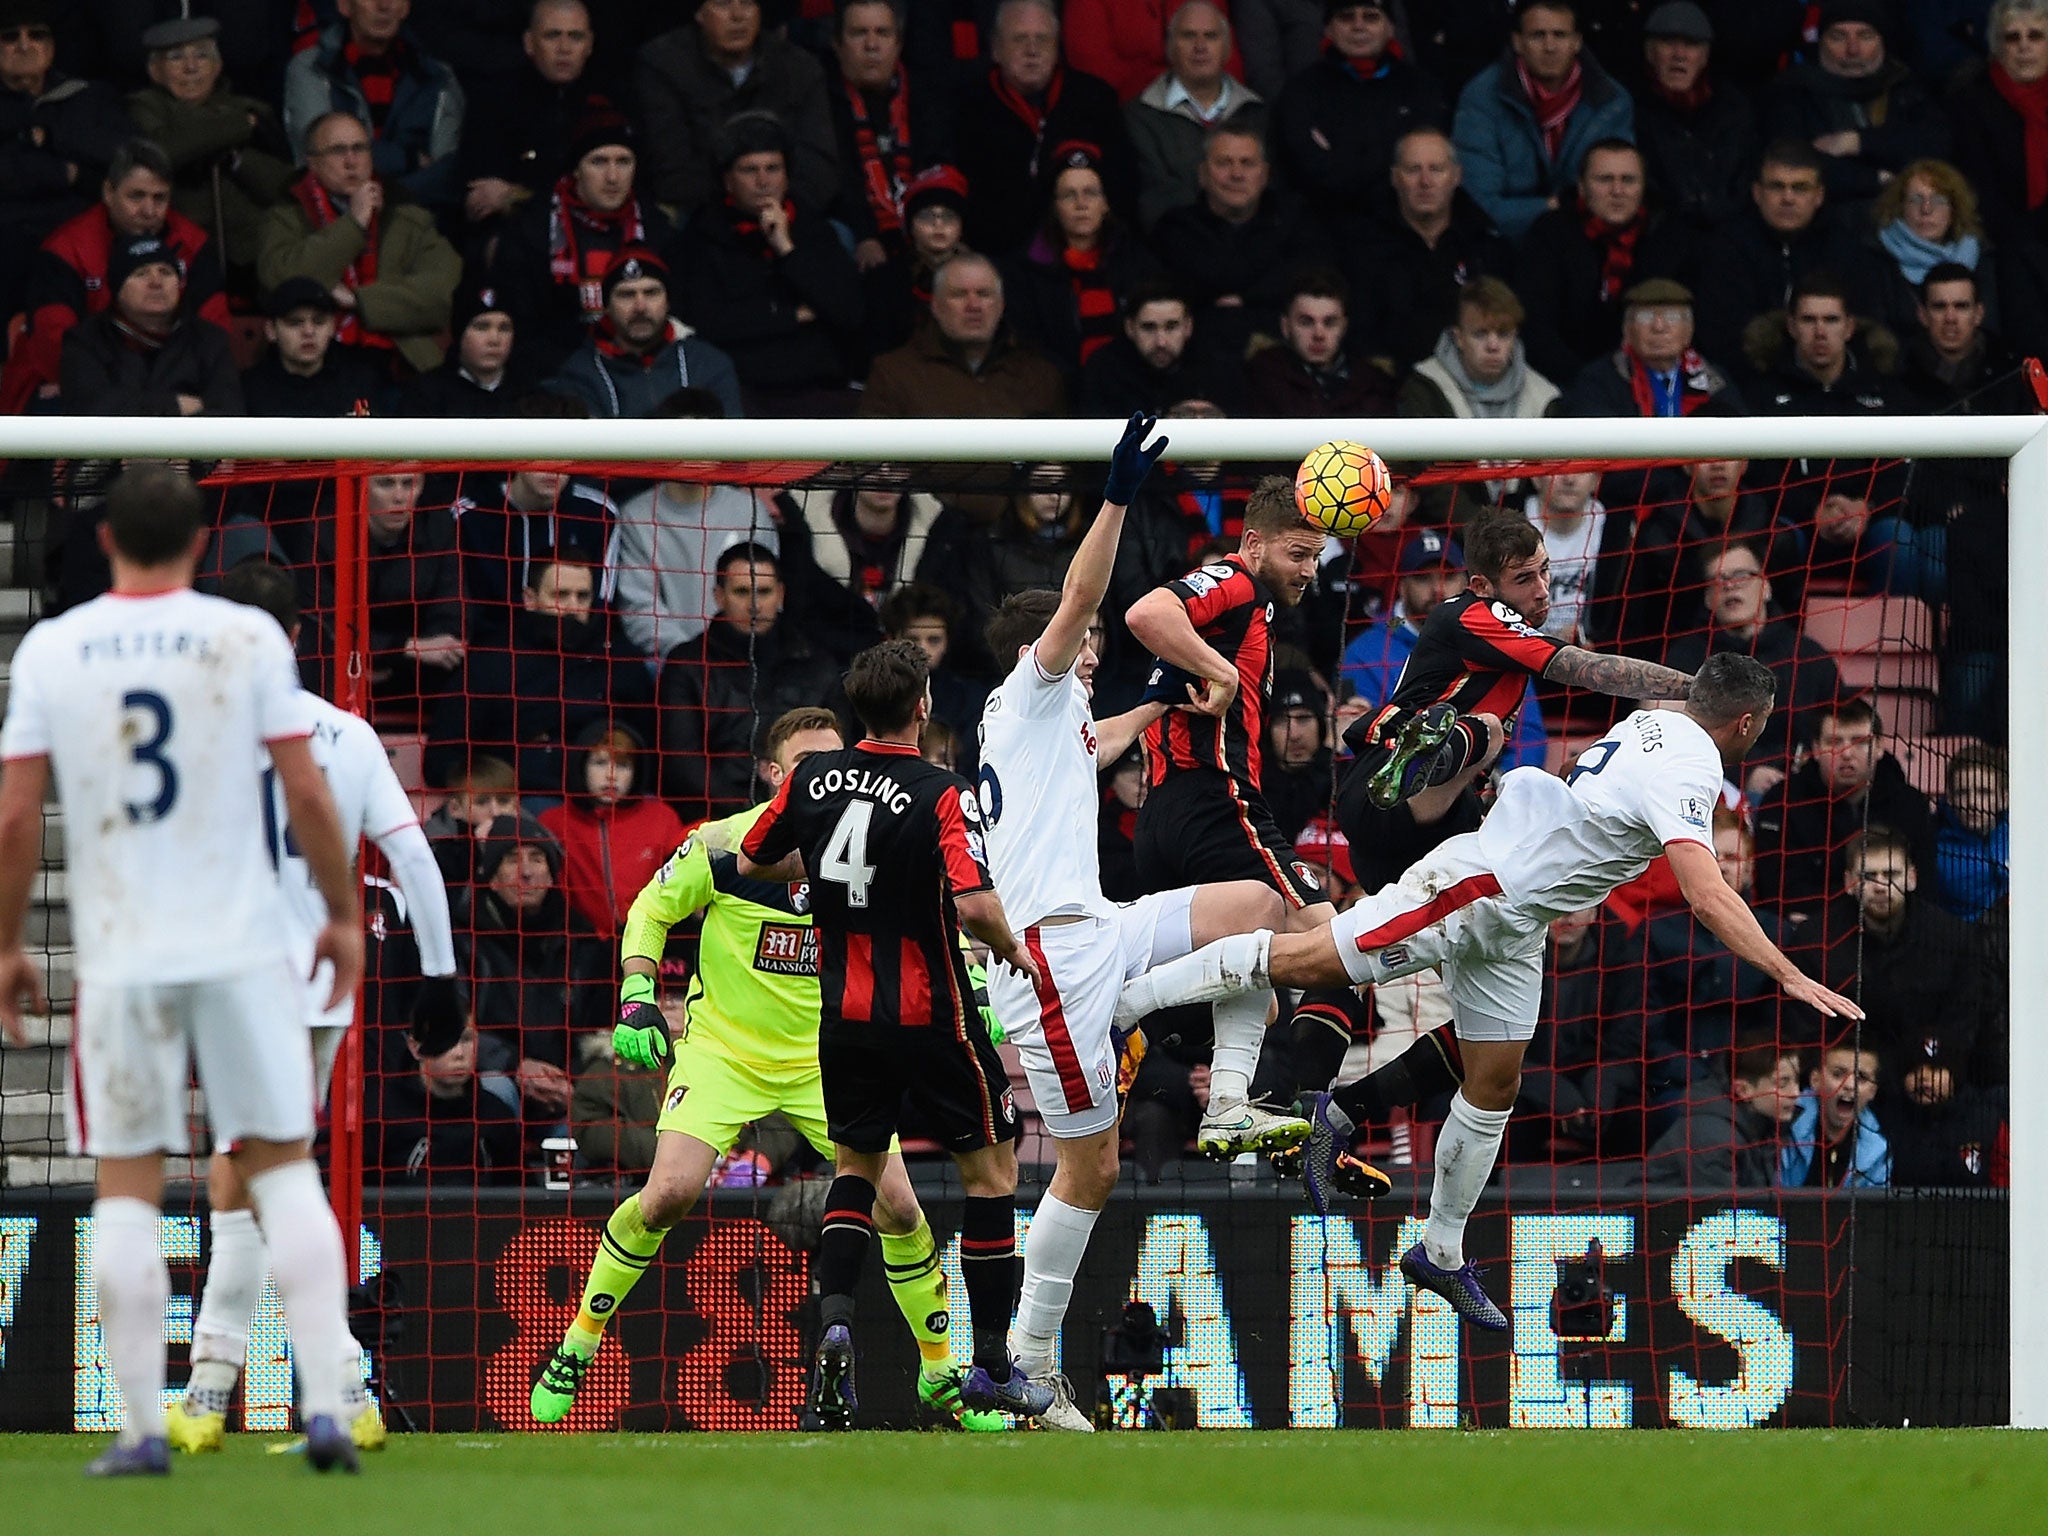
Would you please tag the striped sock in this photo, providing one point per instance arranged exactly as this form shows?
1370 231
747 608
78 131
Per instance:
627 1246
911 1261
988 1261
843 1245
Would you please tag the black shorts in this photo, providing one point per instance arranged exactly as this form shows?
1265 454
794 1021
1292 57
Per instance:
1198 828
1385 843
959 1086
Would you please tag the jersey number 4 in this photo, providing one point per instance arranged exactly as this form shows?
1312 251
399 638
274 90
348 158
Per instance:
148 752
845 860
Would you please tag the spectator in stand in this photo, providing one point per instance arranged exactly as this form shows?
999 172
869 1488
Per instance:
1339 121
692 81
1833 1140
1174 116
1158 359
1298 778
413 577
1524 124
1972 837
1582 1090
480 377
1120 41
1068 291
1944 1132
1817 359
613 1106
864 545
898 295
1656 371
369 67
1698 137
538 976
1409 270
2001 147
1740 617
1311 373
932 617
1578 260
144 355
1013 120
1031 545
1926 217
509 524
548 270
517 138
1726 1136
57 132
533 694
1847 783
445 1123
1751 263
229 155
614 831
1279 39
669 539
719 691
1237 248
768 281
389 270
965 365
1862 110
68 277
302 372
1117 825
1566 509
638 356
482 789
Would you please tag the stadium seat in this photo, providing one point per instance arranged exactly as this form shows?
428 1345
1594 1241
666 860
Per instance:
407 751
1856 625
1905 713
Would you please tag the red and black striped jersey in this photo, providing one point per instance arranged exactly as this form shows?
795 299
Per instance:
888 840
1475 654
1232 610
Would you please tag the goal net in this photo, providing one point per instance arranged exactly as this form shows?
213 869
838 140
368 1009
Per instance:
1712 1210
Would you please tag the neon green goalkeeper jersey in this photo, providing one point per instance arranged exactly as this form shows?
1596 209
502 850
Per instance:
754 995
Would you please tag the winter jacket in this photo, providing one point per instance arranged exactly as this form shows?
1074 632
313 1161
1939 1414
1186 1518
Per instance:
1929 978
1405 291
415 1137
227 147
718 693
1603 388
1696 993
109 370
1976 867
1004 156
743 298
1950 1145
930 109
1990 148
685 100
1278 38
1807 681
1871 1168
929 377
617 384
553 313
520 130
1283 385
1256 261
537 980
1801 829
500 543
81 123
1746 268
1700 162
1038 296
450 392
415 147
417 270
1559 280
1895 116
665 557
610 851
1715 1143
1334 131
1654 588
937 545
1169 142
1587 1059
345 386
1506 167
1118 381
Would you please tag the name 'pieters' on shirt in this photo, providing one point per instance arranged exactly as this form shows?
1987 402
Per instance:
888 842
1232 610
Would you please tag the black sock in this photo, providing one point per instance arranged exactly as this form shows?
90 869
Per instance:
988 1262
843 1247
1464 745
1430 1066
1325 1023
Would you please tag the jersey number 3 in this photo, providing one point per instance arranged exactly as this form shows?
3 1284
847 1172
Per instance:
148 752
845 860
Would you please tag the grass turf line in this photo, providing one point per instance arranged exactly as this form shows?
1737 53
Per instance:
1499 1483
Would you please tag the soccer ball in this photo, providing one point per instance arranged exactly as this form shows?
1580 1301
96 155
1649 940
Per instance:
1343 488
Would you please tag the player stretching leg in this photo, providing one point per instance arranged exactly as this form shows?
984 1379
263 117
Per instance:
1479 907
1471 664
371 802
152 705
751 1049
894 854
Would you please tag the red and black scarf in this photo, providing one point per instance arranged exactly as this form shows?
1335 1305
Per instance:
1617 246
570 222
2031 102
1694 383
1094 300
1034 118
1554 109
748 228
321 210
377 74
884 169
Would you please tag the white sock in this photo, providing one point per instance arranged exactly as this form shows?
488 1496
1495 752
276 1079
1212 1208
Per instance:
1052 1257
1465 1151
134 1286
220 1333
1240 1033
305 1256
355 1392
1223 969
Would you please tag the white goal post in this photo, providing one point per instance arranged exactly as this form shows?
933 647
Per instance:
2021 440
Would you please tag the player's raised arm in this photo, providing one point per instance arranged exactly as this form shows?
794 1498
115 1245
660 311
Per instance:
318 828
1087 581
1624 677
21 851
1727 916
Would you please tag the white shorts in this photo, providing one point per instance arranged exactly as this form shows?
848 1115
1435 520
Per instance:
133 1049
1061 1029
1447 911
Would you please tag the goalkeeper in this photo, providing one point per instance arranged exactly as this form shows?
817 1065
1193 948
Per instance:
749 1047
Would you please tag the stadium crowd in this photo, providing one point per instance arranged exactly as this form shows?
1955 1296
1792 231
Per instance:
957 209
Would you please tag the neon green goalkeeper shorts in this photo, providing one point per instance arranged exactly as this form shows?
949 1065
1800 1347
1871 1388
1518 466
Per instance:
713 1098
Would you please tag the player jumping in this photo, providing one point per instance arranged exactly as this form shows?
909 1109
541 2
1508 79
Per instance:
371 802
751 1049
153 705
892 847
1479 907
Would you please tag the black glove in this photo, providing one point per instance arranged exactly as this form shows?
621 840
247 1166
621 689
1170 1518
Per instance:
1132 461
437 1015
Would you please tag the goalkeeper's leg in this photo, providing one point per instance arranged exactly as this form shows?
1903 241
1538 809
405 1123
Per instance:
632 1236
910 1259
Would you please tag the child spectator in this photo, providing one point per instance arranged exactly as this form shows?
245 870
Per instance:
1972 838
614 832
1833 1140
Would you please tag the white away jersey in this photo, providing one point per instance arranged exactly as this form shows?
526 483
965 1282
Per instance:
1559 846
153 712
1038 795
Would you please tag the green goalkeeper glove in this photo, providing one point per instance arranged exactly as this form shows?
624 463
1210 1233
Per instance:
979 978
640 1038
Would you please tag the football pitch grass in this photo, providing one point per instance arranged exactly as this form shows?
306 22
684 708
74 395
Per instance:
1497 1483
